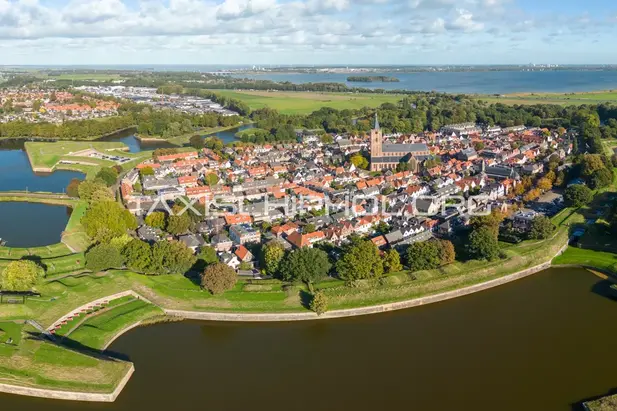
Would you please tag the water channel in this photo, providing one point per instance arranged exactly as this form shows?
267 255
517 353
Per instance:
541 343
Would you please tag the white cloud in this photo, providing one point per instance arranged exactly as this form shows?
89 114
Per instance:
464 21
239 29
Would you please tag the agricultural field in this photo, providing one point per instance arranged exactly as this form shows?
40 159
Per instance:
563 99
305 102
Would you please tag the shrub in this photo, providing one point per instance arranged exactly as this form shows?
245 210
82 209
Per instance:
319 302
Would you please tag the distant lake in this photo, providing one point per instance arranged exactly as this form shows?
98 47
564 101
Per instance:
482 82
16 173
32 224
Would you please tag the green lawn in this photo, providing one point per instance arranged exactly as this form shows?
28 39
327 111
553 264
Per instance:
591 258
99 329
9 331
563 99
87 76
295 102
47 154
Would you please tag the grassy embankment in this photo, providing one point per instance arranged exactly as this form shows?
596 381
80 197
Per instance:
305 102
563 99
46 155
603 404
31 362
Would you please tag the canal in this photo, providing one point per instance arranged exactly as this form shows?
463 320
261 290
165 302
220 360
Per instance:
541 343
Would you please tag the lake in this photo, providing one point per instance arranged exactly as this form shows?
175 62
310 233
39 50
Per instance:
540 343
482 82
32 224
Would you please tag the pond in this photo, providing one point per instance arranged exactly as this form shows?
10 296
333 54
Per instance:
32 224
541 343
134 144
16 173
229 136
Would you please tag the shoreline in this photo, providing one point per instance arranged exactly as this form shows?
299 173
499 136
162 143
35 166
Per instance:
270 317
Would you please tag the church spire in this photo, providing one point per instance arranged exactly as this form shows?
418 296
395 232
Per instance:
376 122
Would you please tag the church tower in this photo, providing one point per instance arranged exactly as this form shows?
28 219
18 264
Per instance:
376 143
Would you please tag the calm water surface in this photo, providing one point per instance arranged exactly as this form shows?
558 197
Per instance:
134 144
32 224
541 343
229 136
469 82
16 174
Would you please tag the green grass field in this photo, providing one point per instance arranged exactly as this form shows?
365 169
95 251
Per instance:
99 329
47 154
9 331
591 258
563 99
86 76
291 102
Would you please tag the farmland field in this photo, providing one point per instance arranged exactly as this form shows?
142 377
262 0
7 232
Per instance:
564 99
304 102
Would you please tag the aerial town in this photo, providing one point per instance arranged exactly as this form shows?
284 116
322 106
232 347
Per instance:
56 106
51 106
302 193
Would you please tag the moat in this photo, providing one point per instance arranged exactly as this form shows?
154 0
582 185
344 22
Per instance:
535 344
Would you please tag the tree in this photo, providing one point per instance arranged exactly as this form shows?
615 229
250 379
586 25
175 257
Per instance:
214 143
211 179
106 220
319 302
541 228
94 191
327 139
423 255
20 275
171 257
483 244
108 175
271 256
207 255
138 256
577 195
218 278
392 261
156 219
544 184
146 171
197 141
308 265
447 254
72 190
103 256
491 221
601 178
532 194
178 222
359 161
309 228
360 260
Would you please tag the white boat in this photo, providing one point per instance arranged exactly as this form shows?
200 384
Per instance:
2 242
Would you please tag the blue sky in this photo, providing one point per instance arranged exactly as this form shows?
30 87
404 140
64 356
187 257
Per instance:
307 31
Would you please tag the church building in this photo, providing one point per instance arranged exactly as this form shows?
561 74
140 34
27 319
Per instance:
388 156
